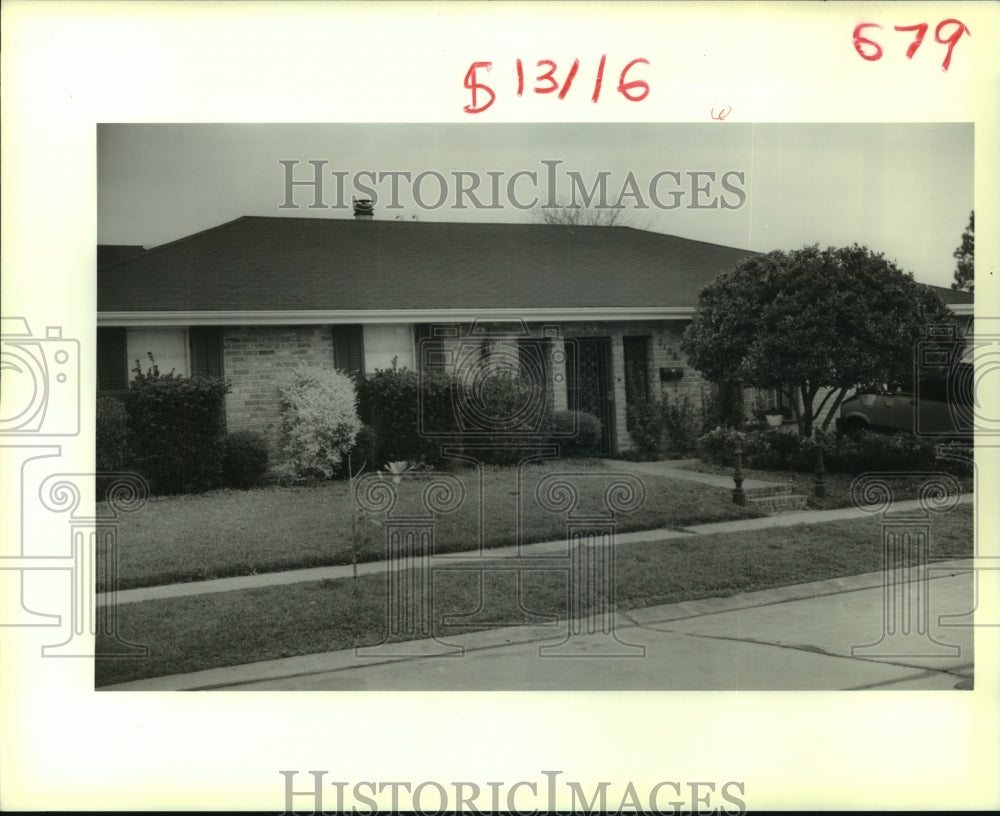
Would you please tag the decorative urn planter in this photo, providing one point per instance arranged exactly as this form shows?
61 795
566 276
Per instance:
775 420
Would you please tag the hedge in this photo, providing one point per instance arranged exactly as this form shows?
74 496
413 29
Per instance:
178 430
848 453
497 418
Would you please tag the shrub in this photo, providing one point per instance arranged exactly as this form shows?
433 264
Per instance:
585 441
854 453
680 424
414 415
320 422
718 445
112 434
112 452
772 449
722 407
364 454
507 410
868 450
645 422
178 429
393 401
245 458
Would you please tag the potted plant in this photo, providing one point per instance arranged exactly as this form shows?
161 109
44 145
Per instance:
776 417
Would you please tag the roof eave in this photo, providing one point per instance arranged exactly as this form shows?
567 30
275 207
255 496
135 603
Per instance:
292 317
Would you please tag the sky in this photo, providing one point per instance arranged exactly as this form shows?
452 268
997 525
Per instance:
902 189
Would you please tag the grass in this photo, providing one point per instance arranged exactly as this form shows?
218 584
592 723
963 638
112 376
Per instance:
838 485
225 533
230 628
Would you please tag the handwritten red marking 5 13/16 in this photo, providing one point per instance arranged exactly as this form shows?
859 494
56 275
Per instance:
546 82
870 50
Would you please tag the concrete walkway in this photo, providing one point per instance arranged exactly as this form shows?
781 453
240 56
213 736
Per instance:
675 469
128 596
821 635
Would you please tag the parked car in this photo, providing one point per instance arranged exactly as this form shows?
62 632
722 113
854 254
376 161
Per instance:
938 407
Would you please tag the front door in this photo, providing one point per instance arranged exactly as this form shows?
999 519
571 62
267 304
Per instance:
590 386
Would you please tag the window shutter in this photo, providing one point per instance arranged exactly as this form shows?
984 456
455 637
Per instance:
206 351
112 367
349 349
636 350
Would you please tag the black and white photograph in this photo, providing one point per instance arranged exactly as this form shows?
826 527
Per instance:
536 407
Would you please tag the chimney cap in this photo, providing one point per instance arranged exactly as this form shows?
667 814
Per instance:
363 208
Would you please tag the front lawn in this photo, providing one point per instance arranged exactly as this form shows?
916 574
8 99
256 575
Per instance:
230 628
224 533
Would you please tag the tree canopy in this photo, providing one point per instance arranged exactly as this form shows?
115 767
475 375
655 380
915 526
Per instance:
966 256
811 320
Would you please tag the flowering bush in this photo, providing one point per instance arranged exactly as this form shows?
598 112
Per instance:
320 423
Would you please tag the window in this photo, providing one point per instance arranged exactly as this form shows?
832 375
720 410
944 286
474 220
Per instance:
187 352
385 343
168 347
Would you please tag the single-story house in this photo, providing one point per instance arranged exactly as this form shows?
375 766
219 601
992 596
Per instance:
251 298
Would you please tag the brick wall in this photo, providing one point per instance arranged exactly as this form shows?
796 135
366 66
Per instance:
663 352
255 360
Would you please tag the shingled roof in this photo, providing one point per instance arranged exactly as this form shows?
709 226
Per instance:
952 297
278 264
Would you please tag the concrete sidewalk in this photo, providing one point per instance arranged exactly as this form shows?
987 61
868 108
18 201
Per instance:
821 635
128 596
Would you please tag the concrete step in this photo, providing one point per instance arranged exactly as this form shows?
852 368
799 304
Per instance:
779 503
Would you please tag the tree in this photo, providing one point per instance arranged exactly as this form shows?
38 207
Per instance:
809 320
569 215
566 215
965 255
